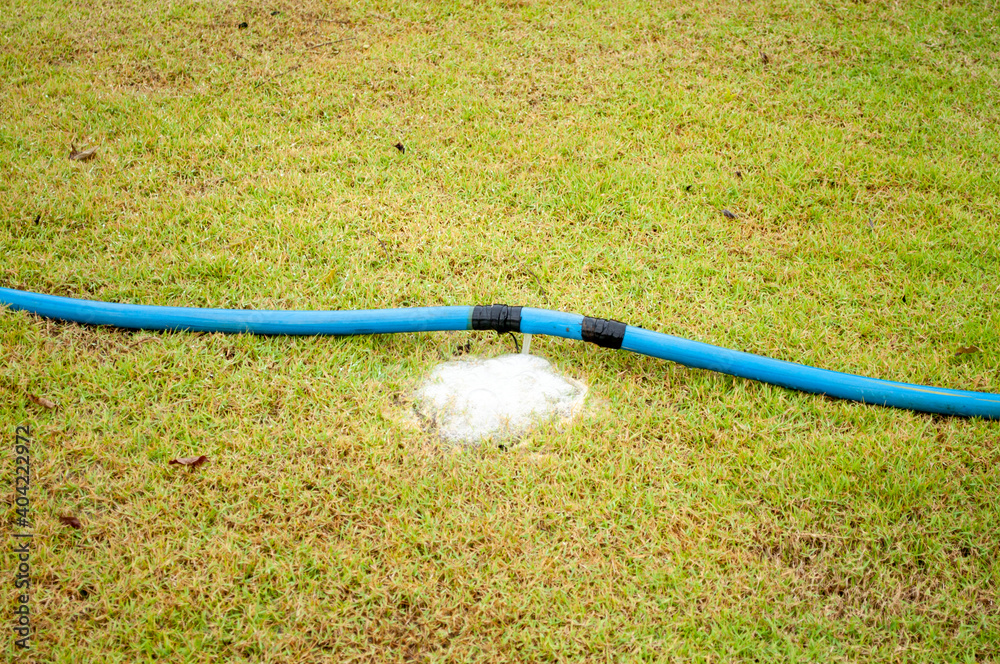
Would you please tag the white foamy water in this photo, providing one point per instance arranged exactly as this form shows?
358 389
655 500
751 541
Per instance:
469 400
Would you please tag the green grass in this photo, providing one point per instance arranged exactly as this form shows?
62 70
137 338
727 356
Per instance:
573 156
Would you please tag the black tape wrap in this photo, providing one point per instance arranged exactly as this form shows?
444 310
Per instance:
606 333
497 317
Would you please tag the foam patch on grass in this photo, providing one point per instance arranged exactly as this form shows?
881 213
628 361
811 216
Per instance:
471 400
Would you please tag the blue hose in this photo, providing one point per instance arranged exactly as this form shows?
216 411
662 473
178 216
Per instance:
527 320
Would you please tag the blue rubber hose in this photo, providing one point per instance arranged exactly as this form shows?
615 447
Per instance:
610 334
236 321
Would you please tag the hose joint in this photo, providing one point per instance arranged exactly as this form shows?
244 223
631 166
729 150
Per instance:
606 333
497 317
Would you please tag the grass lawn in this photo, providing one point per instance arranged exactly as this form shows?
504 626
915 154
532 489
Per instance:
566 155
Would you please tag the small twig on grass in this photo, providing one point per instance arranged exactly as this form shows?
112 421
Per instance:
277 76
537 281
335 41
380 243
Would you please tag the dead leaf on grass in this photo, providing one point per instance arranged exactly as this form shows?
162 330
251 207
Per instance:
81 155
193 462
42 401
71 521
967 349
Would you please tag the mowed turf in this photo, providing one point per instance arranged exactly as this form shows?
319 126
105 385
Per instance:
573 156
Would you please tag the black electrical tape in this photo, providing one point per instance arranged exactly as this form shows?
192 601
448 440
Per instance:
497 317
607 333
